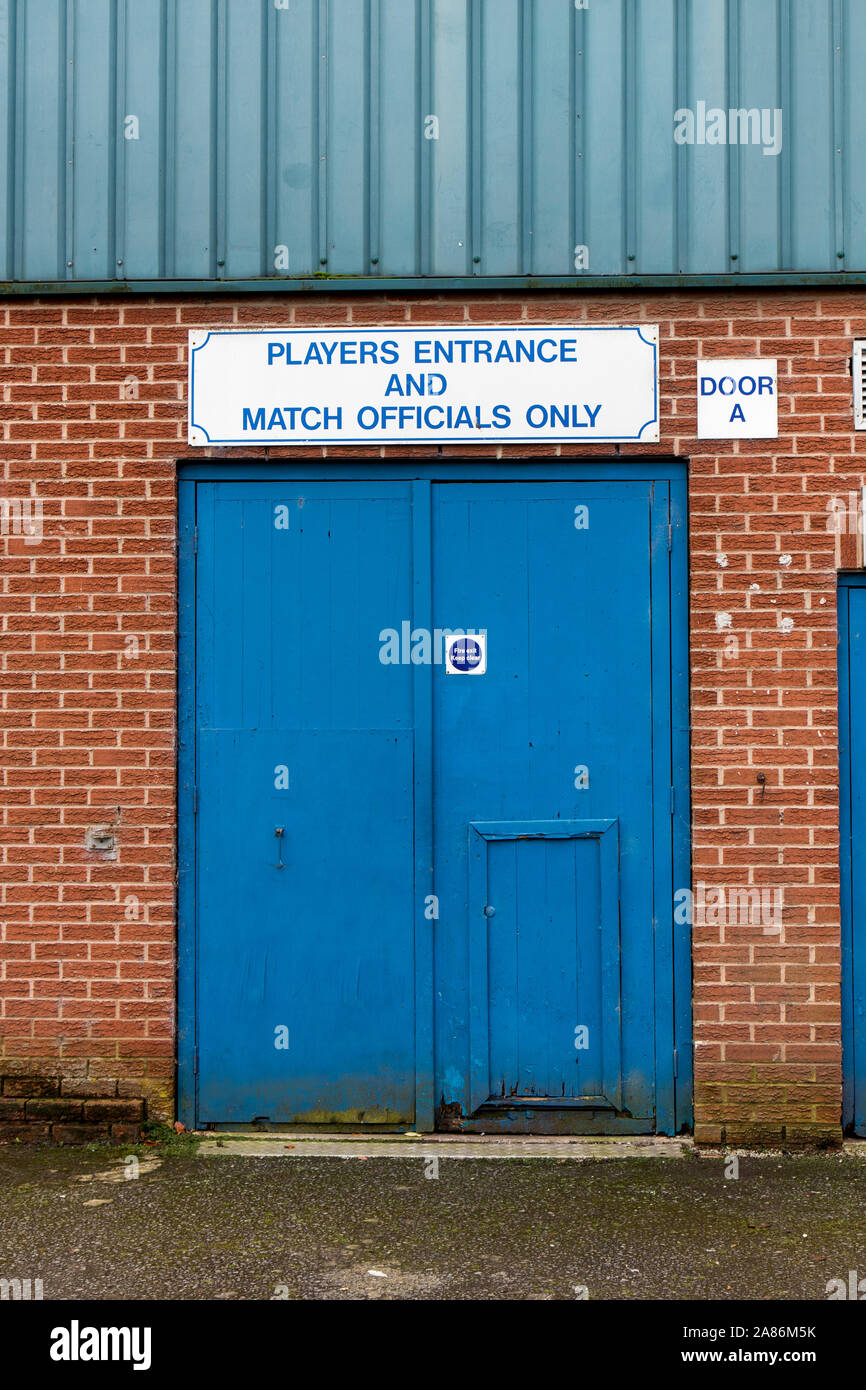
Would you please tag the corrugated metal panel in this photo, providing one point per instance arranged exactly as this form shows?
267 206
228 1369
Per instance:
214 140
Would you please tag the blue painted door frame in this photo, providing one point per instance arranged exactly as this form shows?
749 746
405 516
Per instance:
852 844
671 961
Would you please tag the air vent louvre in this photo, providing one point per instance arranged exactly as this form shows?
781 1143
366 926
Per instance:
859 370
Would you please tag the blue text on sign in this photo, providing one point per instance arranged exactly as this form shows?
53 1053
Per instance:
727 385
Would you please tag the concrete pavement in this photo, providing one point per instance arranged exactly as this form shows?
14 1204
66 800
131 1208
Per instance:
270 1217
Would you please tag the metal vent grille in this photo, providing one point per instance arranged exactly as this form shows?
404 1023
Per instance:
858 366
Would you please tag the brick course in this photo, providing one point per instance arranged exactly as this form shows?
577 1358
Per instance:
93 423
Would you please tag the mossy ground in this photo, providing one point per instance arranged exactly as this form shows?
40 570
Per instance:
245 1228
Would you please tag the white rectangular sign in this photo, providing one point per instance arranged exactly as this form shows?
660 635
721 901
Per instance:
738 398
529 385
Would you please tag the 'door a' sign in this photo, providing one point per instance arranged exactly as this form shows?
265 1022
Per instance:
529 385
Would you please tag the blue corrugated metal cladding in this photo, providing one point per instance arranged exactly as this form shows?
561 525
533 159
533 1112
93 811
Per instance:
235 140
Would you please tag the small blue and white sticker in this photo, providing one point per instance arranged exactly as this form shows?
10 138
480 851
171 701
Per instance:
466 654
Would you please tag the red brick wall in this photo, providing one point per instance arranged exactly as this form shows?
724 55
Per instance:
94 421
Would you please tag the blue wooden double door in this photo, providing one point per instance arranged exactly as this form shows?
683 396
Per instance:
413 895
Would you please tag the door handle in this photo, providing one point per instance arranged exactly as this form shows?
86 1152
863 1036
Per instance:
279 831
